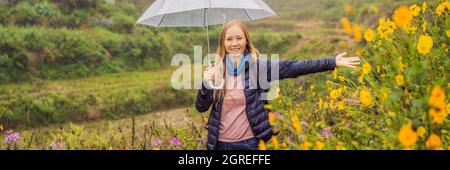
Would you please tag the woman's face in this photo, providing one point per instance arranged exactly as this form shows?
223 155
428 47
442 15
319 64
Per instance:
235 41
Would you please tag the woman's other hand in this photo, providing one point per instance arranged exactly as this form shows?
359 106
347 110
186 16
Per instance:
350 62
208 75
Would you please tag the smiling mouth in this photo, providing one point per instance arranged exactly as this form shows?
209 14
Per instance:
235 49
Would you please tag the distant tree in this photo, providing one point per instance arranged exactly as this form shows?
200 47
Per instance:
71 5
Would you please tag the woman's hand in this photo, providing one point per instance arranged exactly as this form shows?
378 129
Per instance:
350 62
208 75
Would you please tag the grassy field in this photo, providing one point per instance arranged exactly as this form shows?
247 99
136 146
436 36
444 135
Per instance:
103 97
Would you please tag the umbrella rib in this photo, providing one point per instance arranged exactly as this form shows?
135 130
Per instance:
245 10
160 21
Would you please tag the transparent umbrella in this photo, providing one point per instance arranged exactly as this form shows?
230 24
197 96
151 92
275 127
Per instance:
202 13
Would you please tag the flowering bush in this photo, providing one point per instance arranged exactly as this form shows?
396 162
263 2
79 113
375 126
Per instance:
396 100
112 137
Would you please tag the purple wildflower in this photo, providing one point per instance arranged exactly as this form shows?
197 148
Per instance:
304 124
326 132
156 142
347 125
57 145
175 141
289 139
12 138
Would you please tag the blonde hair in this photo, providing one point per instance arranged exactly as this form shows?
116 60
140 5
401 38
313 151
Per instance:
221 53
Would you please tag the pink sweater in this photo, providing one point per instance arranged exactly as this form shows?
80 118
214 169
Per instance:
234 125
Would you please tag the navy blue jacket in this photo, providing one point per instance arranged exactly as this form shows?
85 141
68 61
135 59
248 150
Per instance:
256 113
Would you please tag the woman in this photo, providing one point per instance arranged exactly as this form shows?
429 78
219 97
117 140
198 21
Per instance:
238 119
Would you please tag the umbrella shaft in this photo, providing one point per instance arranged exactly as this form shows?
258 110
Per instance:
207 34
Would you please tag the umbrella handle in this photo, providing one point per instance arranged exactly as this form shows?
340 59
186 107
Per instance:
211 84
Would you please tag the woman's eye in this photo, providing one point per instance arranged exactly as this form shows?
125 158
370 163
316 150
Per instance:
239 38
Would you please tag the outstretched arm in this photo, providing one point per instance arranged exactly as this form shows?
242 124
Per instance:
293 69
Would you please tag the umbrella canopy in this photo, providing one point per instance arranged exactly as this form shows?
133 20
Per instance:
201 13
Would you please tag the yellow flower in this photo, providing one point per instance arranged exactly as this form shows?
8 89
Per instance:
437 97
365 97
444 47
319 145
448 108
415 10
448 33
366 68
424 7
346 25
399 79
392 114
275 142
262 145
296 123
357 33
334 94
385 28
407 136
1 127
443 7
360 79
375 9
410 29
329 83
348 9
369 35
437 105
425 44
341 105
110 148
420 131
384 94
424 26
283 145
433 142
438 116
402 16
440 9
271 118
306 145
